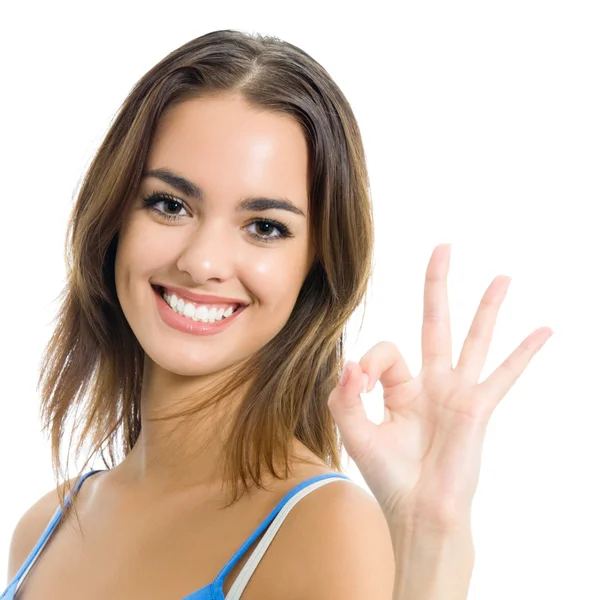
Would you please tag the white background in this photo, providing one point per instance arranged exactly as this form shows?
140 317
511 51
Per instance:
481 123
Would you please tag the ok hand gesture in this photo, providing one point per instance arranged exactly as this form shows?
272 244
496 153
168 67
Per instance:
422 462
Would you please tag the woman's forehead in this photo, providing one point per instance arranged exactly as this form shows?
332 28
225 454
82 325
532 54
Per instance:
228 147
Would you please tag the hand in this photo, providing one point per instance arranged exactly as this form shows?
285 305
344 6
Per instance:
422 462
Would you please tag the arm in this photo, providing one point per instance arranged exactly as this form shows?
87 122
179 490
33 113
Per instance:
26 534
422 462
29 529
346 548
336 547
431 563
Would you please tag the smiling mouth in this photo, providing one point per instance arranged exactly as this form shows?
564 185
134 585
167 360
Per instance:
161 291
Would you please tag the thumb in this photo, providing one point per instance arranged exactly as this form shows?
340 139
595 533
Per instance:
345 404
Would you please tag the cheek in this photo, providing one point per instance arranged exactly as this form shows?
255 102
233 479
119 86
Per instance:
120 262
140 251
137 257
276 279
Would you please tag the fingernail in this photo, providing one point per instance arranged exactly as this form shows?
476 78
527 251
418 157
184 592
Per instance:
365 383
345 375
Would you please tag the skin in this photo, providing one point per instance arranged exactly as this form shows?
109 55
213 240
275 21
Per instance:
155 522
230 150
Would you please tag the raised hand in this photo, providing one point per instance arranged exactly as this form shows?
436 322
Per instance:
422 462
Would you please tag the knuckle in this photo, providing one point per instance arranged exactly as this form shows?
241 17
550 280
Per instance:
380 349
432 314
478 333
508 365
388 344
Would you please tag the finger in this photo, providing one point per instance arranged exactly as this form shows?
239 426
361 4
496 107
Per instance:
477 344
384 362
497 385
436 341
346 406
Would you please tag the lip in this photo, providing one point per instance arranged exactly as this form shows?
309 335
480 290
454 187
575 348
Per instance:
200 298
176 321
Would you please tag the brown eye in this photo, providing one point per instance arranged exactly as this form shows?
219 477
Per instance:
170 201
284 231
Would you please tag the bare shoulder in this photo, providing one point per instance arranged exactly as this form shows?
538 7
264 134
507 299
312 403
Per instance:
339 546
30 527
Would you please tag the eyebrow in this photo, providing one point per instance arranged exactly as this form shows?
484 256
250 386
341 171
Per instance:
189 188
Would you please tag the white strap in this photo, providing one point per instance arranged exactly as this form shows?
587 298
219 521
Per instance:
246 573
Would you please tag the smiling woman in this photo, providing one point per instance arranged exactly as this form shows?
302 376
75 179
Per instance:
220 242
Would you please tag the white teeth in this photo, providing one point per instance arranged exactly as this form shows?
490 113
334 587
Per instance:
200 313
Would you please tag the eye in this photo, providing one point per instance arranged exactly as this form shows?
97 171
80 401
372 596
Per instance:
284 231
156 198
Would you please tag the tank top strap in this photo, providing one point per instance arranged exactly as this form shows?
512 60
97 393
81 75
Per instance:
277 516
22 572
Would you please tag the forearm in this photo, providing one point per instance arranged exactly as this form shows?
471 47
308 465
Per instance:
432 564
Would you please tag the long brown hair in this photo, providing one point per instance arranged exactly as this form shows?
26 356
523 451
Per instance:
92 367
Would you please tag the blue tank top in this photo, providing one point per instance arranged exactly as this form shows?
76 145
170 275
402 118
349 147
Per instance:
214 590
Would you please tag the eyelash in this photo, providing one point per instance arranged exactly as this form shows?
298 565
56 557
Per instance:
156 197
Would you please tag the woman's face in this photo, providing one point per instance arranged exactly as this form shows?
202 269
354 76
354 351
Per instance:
230 152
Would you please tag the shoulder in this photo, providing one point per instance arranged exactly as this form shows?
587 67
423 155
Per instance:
338 546
29 529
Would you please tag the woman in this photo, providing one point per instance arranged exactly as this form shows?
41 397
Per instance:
220 242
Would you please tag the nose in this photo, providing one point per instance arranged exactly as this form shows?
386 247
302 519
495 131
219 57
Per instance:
210 251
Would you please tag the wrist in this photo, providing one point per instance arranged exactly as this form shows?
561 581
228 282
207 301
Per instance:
442 523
